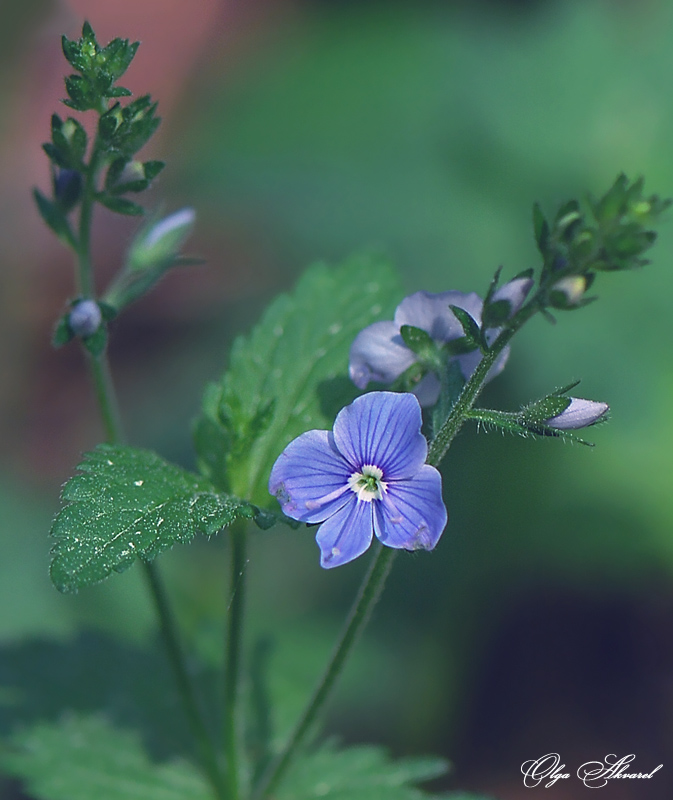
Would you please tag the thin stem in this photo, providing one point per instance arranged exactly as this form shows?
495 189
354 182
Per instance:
106 397
368 595
447 432
233 656
85 273
109 409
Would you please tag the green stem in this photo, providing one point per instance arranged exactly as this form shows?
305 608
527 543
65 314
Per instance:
448 430
369 593
109 409
85 273
233 656
183 680
106 397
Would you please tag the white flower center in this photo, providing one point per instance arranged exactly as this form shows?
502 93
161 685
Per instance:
367 483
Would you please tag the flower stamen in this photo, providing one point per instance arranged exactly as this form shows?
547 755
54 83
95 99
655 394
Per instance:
368 484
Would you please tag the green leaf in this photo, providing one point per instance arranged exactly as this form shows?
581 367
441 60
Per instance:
129 503
284 377
365 773
55 218
120 205
470 328
80 758
153 168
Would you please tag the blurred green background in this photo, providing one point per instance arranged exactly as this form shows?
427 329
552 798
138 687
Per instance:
306 131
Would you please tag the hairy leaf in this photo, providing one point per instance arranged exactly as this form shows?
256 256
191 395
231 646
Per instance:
80 758
290 374
129 503
367 773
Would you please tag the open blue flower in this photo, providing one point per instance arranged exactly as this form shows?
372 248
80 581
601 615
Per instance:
379 353
367 477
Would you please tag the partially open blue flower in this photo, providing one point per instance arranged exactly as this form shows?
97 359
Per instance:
379 353
579 414
367 477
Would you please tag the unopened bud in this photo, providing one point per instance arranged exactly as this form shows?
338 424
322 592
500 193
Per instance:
85 318
568 292
161 241
514 293
578 414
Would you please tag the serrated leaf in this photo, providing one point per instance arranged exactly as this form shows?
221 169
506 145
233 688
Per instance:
296 358
365 773
128 503
80 758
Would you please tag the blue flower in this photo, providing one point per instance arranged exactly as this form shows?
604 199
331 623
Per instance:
367 477
579 414
379 353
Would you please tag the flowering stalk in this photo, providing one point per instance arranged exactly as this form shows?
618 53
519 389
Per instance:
120 132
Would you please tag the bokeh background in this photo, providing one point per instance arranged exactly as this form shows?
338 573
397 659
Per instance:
303 131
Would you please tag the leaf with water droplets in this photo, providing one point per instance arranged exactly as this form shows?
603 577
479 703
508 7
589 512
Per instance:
290 374
129 503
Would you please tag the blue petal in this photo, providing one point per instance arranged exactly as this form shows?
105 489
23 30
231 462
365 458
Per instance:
412 514
378 354
347 534
310 477
431 312
514 292
383 429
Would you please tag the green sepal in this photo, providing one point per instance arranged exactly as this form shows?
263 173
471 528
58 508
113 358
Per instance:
62 332
536 413
420 342
496 314
120 205
129 503
472 331
153 168
523 425
97 342
55 218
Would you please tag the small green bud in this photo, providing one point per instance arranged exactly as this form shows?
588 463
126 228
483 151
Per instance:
568 292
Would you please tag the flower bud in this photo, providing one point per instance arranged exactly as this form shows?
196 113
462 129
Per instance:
568 292
85 318
578 414
67 188
514 293
160 242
